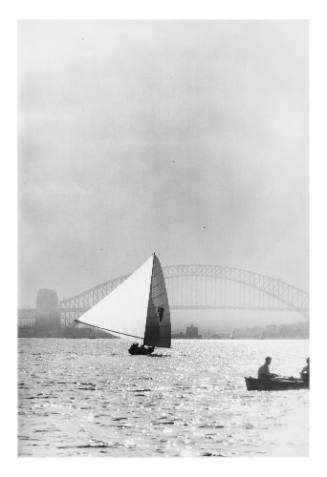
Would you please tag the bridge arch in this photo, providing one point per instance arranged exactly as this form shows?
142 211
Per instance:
292 298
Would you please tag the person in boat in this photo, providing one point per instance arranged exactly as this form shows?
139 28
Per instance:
264 372
134 347
149 349
137 348
305 373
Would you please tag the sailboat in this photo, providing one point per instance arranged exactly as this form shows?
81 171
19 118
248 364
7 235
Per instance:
137 309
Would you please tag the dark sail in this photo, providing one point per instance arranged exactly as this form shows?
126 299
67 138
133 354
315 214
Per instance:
158 328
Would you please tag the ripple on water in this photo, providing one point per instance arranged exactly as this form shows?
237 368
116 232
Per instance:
89 397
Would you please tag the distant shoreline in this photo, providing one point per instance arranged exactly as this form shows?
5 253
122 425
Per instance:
173 339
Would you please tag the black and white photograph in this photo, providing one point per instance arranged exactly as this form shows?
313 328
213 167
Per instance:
163 238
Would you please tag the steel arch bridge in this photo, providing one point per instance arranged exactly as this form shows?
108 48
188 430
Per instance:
206 287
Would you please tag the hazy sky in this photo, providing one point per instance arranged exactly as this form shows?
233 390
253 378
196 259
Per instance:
185 138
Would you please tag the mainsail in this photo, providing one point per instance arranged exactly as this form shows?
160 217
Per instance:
138 308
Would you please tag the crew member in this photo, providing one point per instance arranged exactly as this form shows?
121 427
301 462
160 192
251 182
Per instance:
305 373
263 371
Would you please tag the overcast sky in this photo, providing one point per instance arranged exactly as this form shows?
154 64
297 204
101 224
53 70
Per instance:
185 138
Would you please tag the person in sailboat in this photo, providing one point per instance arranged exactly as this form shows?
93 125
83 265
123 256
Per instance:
137 349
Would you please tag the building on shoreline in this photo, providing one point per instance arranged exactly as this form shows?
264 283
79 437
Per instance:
191 333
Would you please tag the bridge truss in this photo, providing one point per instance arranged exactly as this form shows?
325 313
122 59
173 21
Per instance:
206 287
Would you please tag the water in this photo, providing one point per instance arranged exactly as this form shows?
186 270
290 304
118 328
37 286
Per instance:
91 398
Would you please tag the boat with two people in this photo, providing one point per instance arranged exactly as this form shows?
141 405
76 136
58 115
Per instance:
138 310
280 383
267 381
140 349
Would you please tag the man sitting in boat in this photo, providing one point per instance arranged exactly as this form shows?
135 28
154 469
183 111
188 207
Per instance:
305 373
137 349
263 371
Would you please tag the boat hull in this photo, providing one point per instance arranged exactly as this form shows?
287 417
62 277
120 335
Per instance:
140 351
254 384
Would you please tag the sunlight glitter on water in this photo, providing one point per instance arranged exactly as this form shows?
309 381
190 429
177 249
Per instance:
91 398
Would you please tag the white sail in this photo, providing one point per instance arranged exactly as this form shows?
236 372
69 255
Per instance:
138 308
124 310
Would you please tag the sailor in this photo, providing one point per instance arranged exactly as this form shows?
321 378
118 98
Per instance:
140 349
263 371
147 349
134 346
305 373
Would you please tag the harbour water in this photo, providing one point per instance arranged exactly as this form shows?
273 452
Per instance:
87 397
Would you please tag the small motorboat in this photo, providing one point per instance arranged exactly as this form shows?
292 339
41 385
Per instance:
275 384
